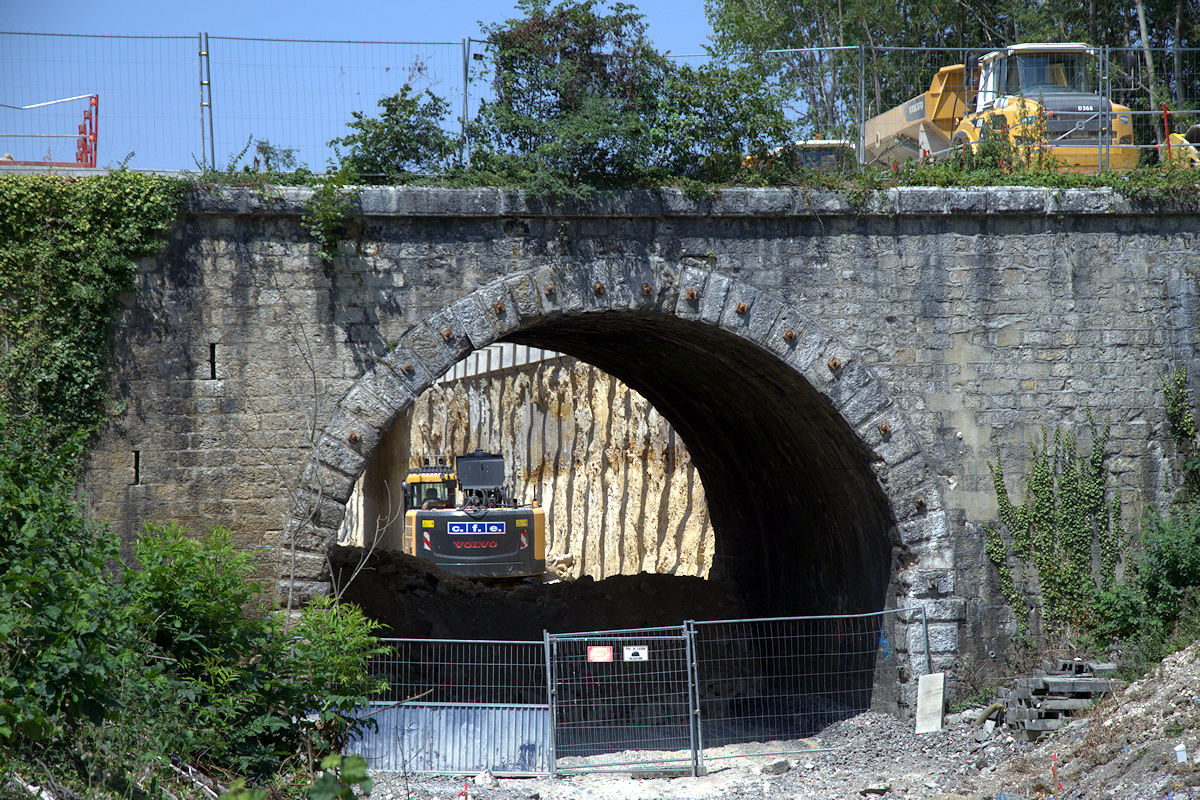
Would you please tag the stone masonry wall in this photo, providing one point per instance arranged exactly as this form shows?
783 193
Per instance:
988 315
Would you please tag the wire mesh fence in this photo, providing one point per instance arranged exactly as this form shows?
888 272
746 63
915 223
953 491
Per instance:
781 679
188 102
629 693
460 707
458 671
631 700
148 90
300 95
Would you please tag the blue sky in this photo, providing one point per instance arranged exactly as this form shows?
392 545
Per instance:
676 25
293 95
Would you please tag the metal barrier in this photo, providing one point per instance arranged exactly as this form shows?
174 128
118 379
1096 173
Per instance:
460 707
629 692
629 700
762 680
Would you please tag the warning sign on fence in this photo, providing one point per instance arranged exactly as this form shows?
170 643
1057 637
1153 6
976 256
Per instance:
637 652
600 653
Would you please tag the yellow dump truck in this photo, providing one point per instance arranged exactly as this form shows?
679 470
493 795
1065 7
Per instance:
1035 95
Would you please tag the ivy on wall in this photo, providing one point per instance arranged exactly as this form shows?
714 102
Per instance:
1182 424
1065 539
67 250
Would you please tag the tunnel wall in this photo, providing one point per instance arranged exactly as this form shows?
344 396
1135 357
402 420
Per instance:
984 315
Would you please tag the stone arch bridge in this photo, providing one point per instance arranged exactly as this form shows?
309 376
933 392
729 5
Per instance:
841 375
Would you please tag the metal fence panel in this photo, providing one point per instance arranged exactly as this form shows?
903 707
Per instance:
460 706
464 740
627 693
629 700
148 91
787 678
300 94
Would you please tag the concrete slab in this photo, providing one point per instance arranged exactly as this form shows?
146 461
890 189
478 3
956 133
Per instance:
931 691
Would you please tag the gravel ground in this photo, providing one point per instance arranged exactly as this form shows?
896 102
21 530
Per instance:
872 755
1124 749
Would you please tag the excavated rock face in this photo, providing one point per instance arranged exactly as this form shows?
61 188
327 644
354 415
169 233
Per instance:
619 488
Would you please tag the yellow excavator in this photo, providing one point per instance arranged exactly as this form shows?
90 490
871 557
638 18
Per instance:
464 519
1034 95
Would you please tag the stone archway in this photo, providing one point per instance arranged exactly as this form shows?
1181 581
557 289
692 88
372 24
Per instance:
821 497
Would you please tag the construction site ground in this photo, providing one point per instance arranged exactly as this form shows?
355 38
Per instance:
1123 748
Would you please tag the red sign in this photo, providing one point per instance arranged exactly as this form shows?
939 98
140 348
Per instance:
600 653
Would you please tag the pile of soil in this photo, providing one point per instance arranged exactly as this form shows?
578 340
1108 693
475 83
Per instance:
414 599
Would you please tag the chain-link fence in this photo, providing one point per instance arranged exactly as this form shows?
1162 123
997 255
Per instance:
629 693
634 700
779 679
187 102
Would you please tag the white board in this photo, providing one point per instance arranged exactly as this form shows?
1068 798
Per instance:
930 698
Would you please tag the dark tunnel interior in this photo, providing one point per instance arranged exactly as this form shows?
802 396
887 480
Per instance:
801 523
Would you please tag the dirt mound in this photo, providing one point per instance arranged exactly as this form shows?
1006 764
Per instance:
415 599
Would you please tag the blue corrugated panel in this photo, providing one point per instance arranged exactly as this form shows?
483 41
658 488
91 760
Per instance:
508 740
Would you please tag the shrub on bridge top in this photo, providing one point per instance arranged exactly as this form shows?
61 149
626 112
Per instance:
406 137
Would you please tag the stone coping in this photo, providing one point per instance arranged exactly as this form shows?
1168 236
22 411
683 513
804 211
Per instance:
483 202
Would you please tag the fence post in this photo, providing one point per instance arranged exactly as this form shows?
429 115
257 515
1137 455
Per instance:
1103 137
860 140
466 54
205 103
547 648
694 733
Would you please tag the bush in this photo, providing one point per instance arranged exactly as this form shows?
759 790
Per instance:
62 633
254 693
1155 609
406 137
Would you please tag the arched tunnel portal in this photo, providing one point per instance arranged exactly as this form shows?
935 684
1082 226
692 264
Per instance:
819 495
801 523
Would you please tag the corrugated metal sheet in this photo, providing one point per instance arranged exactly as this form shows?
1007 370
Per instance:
449 739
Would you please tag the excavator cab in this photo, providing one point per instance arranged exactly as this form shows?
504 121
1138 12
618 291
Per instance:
431 485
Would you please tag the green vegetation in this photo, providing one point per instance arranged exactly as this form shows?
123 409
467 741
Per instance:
66 254
1067 530
1059 551
407 137
114 675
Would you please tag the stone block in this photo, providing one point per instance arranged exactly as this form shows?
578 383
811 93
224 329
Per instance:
561 290
526 298
429 343
693 281
476 322
712 302
1019 200
731 319
408 367
326 480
